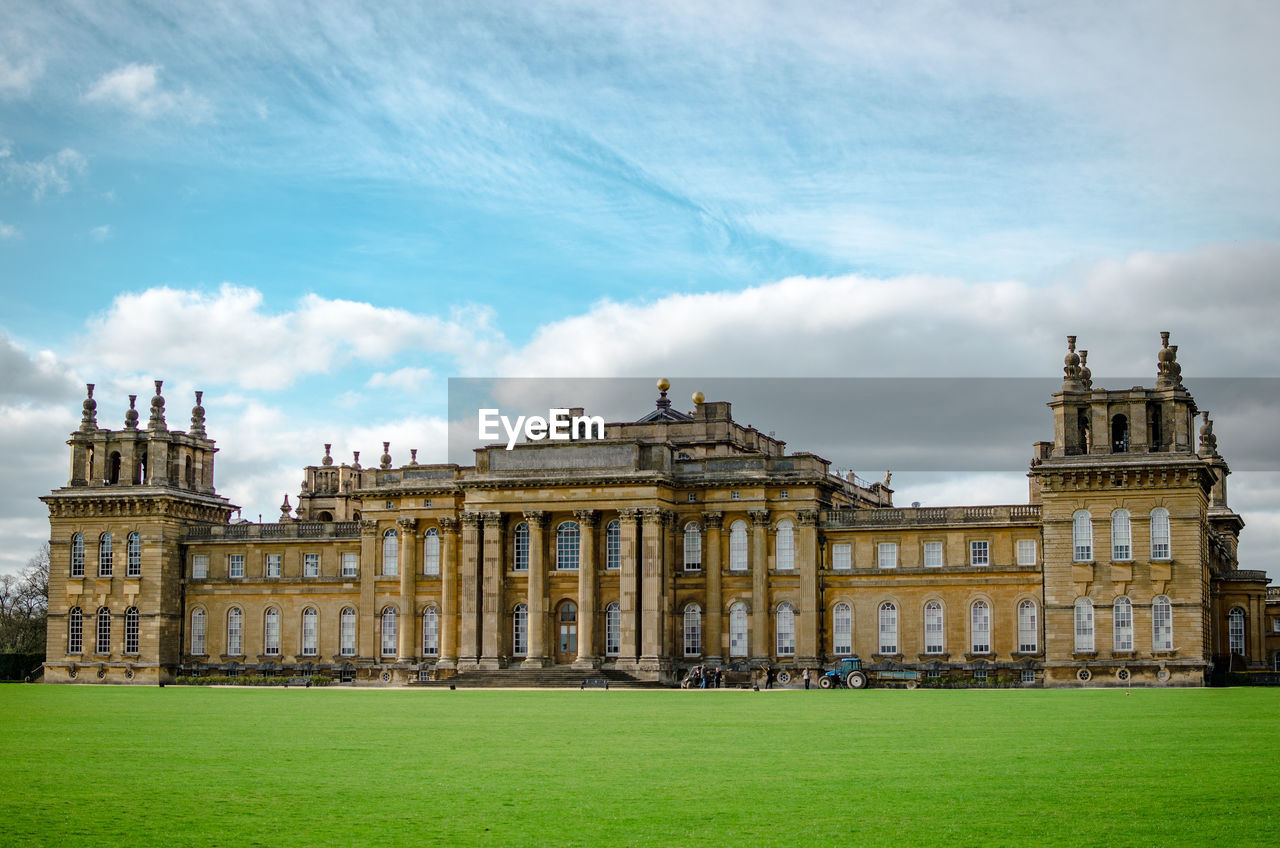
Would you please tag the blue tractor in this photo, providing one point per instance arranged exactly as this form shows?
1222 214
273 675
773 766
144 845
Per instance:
849 674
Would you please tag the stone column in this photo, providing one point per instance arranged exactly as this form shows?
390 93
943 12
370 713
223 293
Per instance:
712 521
448 593
537 654
628 598
759 585
587 520
491 620
370 552
469 628
407 562
652 571
809 616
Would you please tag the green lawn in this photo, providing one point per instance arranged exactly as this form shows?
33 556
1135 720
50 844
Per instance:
196 766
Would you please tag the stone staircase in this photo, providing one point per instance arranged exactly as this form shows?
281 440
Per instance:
554 677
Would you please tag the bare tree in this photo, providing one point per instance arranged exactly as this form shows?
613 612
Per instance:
24 606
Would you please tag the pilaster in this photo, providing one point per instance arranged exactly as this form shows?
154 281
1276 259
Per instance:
448 593
628 587
407 529
713 521
537 654
587 521
491 619
469 629
759 585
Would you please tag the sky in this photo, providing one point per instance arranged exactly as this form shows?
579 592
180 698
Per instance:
320 213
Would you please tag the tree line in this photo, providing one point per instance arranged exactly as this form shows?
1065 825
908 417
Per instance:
24 606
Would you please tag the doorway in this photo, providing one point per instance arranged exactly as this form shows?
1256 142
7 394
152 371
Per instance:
567 633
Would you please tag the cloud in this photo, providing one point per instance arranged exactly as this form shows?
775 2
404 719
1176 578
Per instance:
26 377
403 379
8 231
101 233
136 89
16 79
53 173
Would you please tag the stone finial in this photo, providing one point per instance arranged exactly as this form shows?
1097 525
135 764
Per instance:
1168 371
89 419
328 460
1086 376
355 460
385 462
157 410
413 456
1071 372
663 401
285 509
1208 441
197 416
131 417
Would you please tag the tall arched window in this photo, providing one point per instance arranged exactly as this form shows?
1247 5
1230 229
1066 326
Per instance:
980 627
1122 624
567 539
520 559
613 545
1235 630
131 630
133 566
347 632
738 630
197 632
693 631
1028 629
1160 533
1119 434
390 552
431 553
842 629
271 632
738 546
612 630
104 555
310 632
1084 625
103 643
388 631
520 630
75 631
1121 536
692 547
1082 536
235 632
786 630
784 546
934 641
430 632
77 555
1161 624
113 468
888 628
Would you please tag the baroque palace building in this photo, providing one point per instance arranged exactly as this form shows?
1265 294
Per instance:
679 539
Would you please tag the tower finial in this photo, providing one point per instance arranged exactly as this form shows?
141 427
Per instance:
1208 441
1168 371
355 460
328 460
131 417
89 419
1071 368
285 509
197 416
386 455
157 410
1086 376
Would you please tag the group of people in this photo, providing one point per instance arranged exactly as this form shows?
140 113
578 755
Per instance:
702 677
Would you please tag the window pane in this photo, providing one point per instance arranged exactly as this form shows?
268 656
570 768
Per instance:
693 631
933 554
613 630
1084 625
567 538
613 545
1028 634
347 633
311 565
75 631
979 553
521 559
842 557
1082 536
1122 624
1121 547
77 555
388 632
738 547
1026 552
784 547
235 633
310 638
933 628
980 625
431 554
200 566
842 628
271 632
197 632
390 553
738 630
786 630
692 547
1161 624
134 566
1160 533
350 565
888 629
888 554
273 565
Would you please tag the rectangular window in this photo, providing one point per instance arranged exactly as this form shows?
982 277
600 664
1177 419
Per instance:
979 675
842 557
199 566
235 565
273 565
131 632
350 565
887 554
933 554
933 628
347 633
979 553
311 565
309 634
1026 552
133 567
1028 675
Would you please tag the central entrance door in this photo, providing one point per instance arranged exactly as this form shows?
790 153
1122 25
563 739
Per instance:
567 633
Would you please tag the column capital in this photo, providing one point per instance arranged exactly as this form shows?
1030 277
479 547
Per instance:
536 517
759 517
470 519
408 526
807 517
713 519
628 514
587 517
655 515
368 527
448 524
492 518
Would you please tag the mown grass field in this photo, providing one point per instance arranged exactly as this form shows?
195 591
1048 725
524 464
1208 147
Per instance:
186 766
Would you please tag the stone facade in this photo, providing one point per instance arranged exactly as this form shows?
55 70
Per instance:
680 539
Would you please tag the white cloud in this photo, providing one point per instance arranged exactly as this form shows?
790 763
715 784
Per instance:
8 231
403 379
101 233
53 173
17 79
136 89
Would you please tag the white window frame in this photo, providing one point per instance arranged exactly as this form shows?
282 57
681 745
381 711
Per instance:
77 555
693 631
612 630
430 632
198 631
738 630
235 632
933 555
199 566
613 545
935 634
1236 631
738 559
1161 548
888 629
1161 623
271 632
520 547
274 565
311 565
235 565
390 553
310 632
133 555
350 564
568 546
1084 629
431 553
842 556
347 632
132 627
106 555
842 629
75 631
980 627
979 553
1081 536
520 630
1121 536
1027 554
388 631
786 630
1122 624
887 554
784 546
692 547
1028 627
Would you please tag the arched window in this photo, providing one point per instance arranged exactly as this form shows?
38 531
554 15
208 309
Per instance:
520 560
693 631
235 632
934 641
133 557
1084 625
842 629
1119 434
888 628
738 630
271 632
692 547
738 546
520 630
103 644
613 545
347 632
612 630
1028 630
131 630
197 632
1161 624
786 630
430 632
190 474
390 552
1160 533
431 553
113 468
1122 624
1082 536
1121 536
567 538
75 631
388 631
310 632
1235 630
104 555
784 546
77 555
980 627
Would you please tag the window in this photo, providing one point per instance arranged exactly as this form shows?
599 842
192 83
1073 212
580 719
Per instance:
273 565
887 554
888 628
612 630
842 629
521 559
1028 630
1119 434
784 546
75 631
133 556
842 557
613 545
103 644
310 632
197 632
738 547
933 554
1122 624
235 632
1026 552
784 494
347 632
786 630
979 675
520 630
104 555
77 555
431 553
933 628
235 565
199 566
738 630
979 553
693 631
311 565
271 632
1161 624
733 496
430 632
1084 625
1028 675
389 632
1082 536
980 627
1121 536
1235 630
1160 533
567 538
692 547
350 565
390 553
